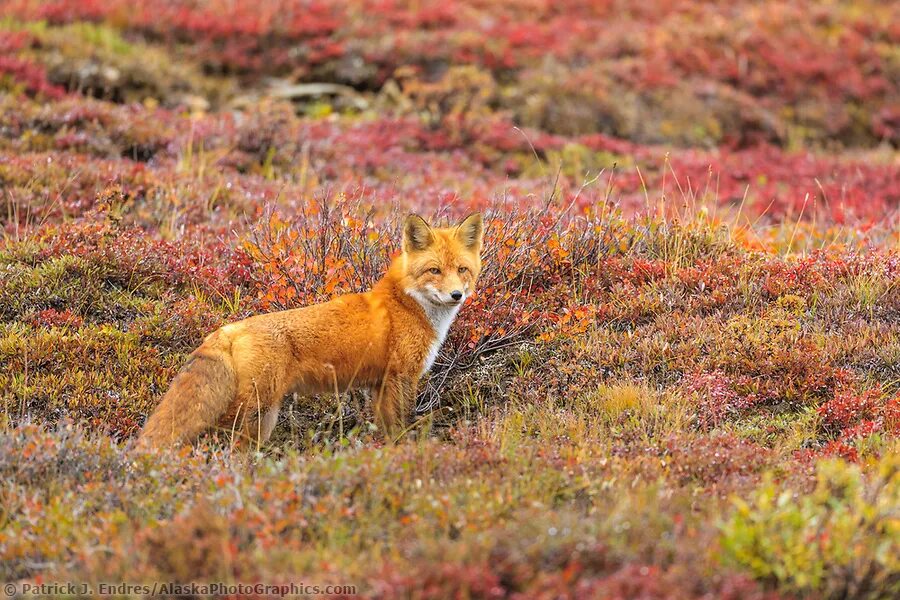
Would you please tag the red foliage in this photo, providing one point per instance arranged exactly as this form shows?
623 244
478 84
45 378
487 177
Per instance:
840 449
848 408
890 414
717 396
764 179
852 416
588 572
448 580
32 77
392 159
130 254
719 461
770 57
55 318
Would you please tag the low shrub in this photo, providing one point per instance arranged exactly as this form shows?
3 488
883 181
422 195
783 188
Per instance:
839 541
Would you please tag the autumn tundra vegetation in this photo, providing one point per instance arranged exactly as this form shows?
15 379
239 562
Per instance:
679 376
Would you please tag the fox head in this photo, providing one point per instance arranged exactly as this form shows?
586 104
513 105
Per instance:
442 265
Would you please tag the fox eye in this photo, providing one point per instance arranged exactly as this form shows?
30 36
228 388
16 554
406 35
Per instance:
463 270
434 271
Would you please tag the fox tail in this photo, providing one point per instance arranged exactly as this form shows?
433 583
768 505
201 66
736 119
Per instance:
199 395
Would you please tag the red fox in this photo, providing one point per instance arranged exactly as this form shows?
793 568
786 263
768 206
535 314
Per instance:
384 340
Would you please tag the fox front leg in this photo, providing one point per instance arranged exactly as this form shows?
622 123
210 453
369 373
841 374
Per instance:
393 400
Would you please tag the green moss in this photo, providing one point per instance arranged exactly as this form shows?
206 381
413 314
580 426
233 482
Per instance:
89 289
97 373
99 36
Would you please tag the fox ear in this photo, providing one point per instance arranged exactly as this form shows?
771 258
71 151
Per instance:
417 234
470 232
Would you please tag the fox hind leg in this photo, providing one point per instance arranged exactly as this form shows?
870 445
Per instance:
259 417
269 421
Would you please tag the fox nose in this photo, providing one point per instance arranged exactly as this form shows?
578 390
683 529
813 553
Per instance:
456 295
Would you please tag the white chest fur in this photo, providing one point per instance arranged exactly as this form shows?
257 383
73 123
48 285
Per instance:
440 317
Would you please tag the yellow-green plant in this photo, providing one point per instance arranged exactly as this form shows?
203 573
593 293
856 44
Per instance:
842 540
